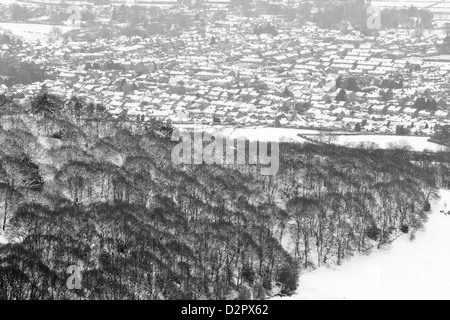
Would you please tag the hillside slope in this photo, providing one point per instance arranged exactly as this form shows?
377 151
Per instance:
416 269
79 187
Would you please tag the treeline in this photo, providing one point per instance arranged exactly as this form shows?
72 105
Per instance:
406 18
326 14
332 14
56 15
145 21
355 12
104 194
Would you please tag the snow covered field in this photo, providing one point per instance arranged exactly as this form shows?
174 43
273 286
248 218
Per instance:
291 135
31 32
255 133
387 142
409 270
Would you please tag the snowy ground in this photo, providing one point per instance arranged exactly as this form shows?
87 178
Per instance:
254 133
32 32
3 240
409 270
388 142
291 135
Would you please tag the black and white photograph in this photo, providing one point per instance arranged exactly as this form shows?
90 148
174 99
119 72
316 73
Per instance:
234 157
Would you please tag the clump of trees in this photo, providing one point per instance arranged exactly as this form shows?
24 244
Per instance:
392 84
406 18
331 15
267 29
19 13
426 103
442 134
105 195
14 71
341 96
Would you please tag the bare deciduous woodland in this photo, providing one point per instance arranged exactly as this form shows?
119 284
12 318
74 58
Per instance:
80 188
